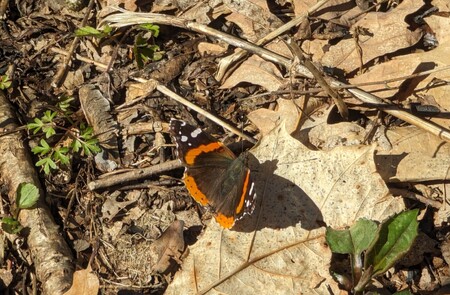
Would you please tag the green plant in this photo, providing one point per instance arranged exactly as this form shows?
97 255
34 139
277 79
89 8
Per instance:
88 31
27 196
373 249
79 138
143 50
5 83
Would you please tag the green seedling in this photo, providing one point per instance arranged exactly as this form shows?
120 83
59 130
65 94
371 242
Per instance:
372 248
145 52
5 83
27 197
154 29
88 31
79 138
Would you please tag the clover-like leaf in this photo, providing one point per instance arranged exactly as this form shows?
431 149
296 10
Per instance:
76 145
90 146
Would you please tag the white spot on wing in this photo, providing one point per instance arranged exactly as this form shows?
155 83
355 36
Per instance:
251 189
196 132
184 138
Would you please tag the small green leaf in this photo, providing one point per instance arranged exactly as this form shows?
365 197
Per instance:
87 31
42 149
354 240
158 55
144 52
47 163
60 155
48 116
395 238
107 29
152 28
76 145
64 103
11 225
86 132
49 131
27 195
90 146
5 83
36 125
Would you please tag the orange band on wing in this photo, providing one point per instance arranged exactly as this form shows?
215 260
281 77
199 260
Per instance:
190 155
244 193
193 189
225 221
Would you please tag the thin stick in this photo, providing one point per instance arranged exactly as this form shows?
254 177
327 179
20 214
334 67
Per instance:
58 79
166 91
240 54
297 52
132 18
133 175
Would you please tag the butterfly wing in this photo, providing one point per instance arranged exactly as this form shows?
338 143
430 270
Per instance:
214 176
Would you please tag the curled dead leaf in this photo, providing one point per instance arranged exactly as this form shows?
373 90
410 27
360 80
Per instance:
85 282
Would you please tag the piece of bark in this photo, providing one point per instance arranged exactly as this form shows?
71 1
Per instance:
97 110
50 253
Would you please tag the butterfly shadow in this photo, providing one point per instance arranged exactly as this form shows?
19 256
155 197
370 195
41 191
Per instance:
279 202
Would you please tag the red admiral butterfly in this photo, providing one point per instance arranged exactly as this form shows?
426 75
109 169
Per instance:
214 176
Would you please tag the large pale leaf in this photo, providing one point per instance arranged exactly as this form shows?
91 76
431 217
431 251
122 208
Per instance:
426 87
387 33
256 70
281 249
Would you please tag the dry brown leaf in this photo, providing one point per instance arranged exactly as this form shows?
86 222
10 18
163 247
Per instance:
206 48
200 12
416 62
442 5
73 80
127 4
253 17
256 70
280 249
6 277
85 282
111 207
300 6
416 156
330 10
389 33
168 248
267 119
163 5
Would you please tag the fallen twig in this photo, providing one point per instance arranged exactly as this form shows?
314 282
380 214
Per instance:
51 256
126 18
